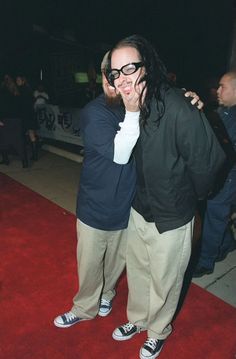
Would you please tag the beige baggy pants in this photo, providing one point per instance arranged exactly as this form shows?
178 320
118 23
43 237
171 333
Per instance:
100 260
156 264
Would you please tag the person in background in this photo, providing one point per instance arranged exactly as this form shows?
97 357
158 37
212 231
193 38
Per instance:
41 98
217 239
93 89
177 157
26 113
104 200
172 78
11 127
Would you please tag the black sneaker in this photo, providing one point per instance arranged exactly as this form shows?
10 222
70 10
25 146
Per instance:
125 331
105 307
151 348
67 320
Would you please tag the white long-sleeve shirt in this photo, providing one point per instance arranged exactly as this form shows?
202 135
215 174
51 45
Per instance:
126 137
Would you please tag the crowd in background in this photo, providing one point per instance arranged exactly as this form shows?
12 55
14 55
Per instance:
18 122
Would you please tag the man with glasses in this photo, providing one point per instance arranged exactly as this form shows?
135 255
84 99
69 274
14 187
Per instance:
105 195
177 157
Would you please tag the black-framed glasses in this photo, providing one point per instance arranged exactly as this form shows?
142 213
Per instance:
126 70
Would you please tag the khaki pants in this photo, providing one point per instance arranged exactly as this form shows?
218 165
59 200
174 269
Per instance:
100 260
156 264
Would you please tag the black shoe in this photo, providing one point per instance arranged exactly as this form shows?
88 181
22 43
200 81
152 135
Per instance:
125 332
66 320
200 271
105 307
151 348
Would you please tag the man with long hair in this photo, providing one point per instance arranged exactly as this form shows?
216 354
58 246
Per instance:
177 157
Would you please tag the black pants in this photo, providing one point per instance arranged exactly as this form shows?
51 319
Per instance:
12 136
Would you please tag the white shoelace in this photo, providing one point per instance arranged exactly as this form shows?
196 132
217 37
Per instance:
105 303
70 316
151 343
127 327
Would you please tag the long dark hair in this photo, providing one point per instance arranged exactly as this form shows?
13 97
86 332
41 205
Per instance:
155 75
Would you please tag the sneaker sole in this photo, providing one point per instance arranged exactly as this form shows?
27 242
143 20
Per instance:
58 325
101 314
150 357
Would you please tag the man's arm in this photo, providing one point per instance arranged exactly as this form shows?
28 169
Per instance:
126 137
100 132
199 149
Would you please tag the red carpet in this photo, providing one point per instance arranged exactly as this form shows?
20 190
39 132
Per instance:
38 281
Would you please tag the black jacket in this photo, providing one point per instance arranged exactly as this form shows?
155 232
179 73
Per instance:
176 161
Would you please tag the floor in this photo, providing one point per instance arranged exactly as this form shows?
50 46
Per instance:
56 176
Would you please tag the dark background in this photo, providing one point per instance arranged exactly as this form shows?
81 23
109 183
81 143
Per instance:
194 38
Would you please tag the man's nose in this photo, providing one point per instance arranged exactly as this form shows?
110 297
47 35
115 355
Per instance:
122 76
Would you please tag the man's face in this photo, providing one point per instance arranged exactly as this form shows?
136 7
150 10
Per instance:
111 96
126 84
19 81
226 93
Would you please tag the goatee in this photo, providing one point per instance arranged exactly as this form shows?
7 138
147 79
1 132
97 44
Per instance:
113 100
